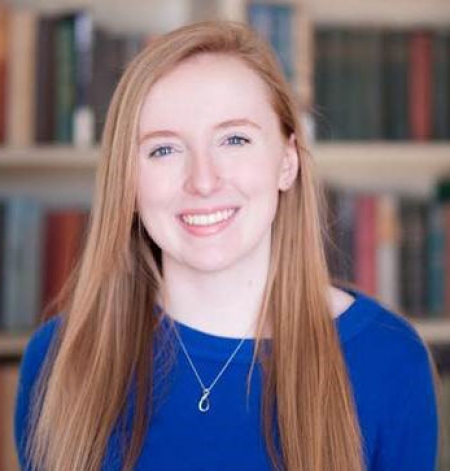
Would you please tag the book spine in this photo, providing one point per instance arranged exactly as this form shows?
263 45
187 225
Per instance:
436 256
9 381
420 81
45 80
65 79
282 38
22 268
441 85
395 83
388 250
413 257
372 80
21 78
365 249
3 69
83 121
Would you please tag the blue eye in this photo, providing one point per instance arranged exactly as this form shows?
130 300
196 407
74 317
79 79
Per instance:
161 151
237 140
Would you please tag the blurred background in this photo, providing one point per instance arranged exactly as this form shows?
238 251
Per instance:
372 79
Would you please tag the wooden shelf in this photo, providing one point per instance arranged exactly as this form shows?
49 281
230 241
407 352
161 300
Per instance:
47 158
405 167
398 13
383 157
433 331
13 345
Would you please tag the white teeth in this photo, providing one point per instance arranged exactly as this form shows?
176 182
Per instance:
207 220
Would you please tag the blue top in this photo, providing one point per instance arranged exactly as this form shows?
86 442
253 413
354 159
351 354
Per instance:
389 372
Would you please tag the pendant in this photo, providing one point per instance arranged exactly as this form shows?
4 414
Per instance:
203 404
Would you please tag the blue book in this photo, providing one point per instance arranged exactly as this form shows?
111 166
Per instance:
282 37
22 264
274 24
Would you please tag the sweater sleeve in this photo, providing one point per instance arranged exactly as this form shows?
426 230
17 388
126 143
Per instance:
31 364
408 439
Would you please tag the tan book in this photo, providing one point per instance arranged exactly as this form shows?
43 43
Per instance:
388 250
20 90
9 376
3 48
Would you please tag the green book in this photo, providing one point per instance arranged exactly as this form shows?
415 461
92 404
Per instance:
395 52
65 79
441 85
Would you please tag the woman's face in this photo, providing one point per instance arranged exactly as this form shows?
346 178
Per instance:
212 160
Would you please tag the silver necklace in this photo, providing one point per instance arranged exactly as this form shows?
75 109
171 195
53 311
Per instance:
203 403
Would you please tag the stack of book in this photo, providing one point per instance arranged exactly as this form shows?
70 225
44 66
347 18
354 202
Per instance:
377 84
38 249
394 247
57 76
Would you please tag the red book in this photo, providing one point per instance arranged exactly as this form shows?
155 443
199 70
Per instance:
64 231
420 85
365 244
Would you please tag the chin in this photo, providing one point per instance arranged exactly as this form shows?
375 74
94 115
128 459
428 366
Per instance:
210 264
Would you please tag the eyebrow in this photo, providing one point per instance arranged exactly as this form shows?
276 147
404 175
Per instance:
223 125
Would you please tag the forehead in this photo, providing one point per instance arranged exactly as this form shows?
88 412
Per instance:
205 88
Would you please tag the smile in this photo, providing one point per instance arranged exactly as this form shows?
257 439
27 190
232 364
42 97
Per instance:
208 219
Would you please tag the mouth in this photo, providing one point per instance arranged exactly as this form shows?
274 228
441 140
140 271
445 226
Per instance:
208 219
204 223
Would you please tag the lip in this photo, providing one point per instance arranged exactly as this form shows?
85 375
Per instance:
205 211
205 231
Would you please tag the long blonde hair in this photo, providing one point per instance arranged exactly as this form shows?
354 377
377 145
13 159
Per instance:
104 346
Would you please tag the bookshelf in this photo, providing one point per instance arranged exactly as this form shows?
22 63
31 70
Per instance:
436 332
13 345
406 167
64 174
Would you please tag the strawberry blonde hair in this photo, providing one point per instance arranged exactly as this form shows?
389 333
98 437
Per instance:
104 347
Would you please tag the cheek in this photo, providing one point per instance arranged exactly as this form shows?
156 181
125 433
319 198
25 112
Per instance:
153 190
261 178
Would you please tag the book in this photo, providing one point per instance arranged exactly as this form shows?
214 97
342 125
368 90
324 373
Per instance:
413 261
9 379
387 263
441 84
419 85
64 230
21 66
365 243
22 264
83 119
3 69
45 79
395 85
274 22
64 45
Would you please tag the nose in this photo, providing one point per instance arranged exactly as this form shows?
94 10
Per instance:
202 175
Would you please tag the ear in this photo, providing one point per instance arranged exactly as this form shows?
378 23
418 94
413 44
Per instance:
289 166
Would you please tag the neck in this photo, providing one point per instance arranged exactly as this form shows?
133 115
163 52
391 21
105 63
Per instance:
224 303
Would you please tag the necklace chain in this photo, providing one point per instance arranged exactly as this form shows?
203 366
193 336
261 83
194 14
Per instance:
203 404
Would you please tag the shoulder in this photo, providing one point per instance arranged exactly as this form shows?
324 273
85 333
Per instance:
381 346
383 349
32 361
38 345
365 320
393 376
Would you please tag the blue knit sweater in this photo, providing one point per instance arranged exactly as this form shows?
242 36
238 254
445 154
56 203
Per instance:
389 371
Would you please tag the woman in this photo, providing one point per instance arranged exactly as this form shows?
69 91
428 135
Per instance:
201 329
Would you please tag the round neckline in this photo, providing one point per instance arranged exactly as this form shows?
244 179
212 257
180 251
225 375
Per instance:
213 347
